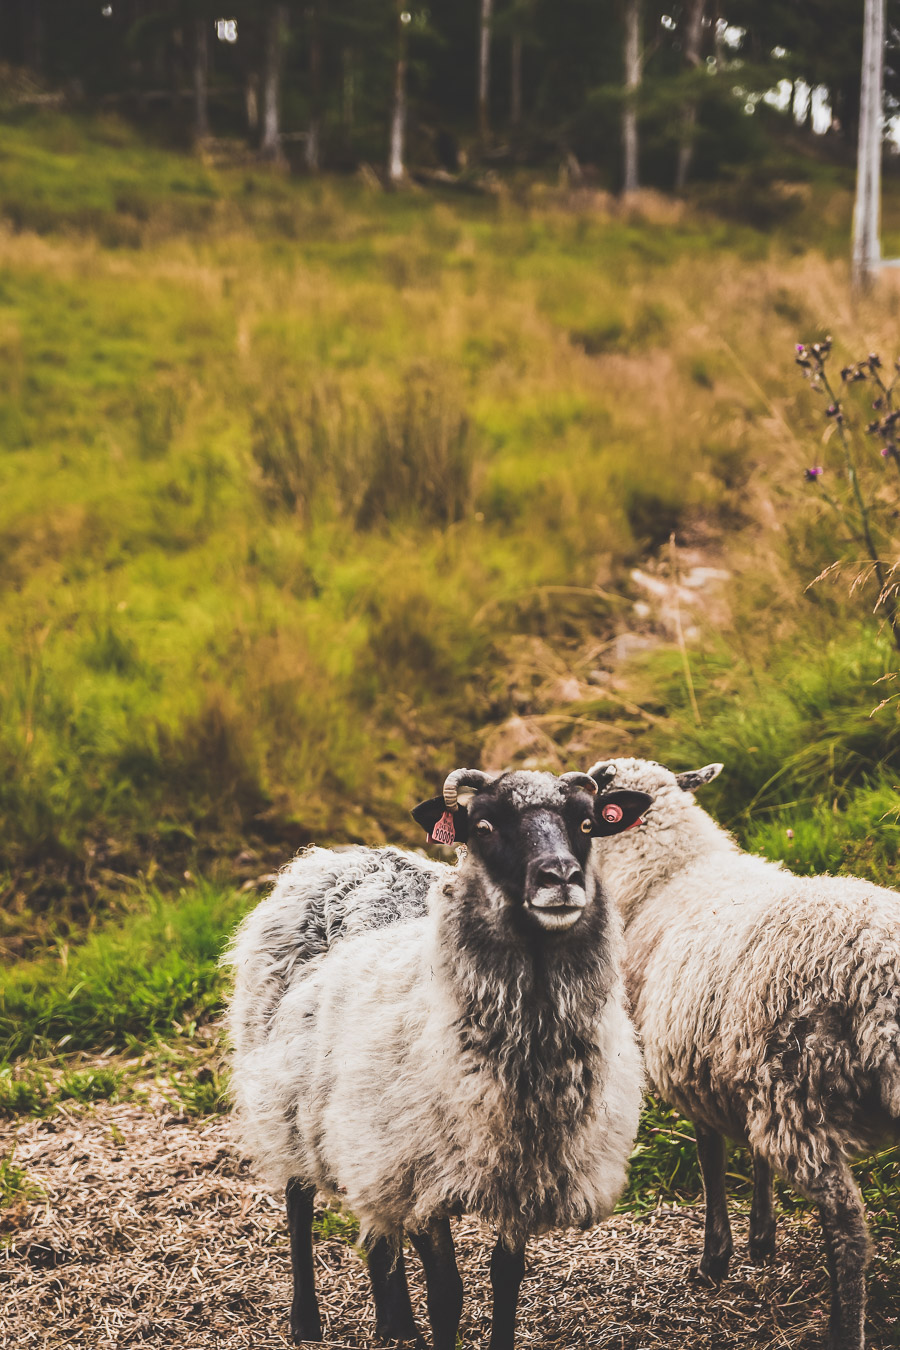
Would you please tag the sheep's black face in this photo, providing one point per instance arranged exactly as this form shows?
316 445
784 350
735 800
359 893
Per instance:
530 835
532 838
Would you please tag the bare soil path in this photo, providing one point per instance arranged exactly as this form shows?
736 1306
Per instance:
152 1232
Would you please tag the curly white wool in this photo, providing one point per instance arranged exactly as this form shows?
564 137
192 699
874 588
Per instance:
353 1068
767 1003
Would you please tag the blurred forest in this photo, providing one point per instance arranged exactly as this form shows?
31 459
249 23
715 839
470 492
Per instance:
690 86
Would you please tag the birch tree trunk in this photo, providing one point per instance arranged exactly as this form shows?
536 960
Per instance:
274 29
484 70
631 180
251 102
201 72
397 152
867 208
313 134
693 38
515 96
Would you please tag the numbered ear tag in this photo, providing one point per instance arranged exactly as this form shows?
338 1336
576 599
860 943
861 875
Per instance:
443 832
612 813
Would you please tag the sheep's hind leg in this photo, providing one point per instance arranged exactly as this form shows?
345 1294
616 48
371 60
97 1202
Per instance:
443 1284
717 1242
847 1248
394 1319
306 1325
507 1269
762 1212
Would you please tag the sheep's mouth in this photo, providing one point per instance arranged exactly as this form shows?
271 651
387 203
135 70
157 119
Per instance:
557 907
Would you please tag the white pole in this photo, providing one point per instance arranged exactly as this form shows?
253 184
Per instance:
484 70
867 209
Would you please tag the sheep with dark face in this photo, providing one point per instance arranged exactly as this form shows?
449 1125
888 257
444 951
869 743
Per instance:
477 1058
768 1005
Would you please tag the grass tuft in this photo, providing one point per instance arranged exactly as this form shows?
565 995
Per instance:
15 1184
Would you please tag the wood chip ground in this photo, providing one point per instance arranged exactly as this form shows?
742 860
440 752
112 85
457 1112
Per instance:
151 1232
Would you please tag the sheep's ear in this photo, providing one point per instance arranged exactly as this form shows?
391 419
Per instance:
442 826
695 778
618 811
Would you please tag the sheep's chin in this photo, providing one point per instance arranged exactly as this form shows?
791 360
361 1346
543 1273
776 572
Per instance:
557 908
555 920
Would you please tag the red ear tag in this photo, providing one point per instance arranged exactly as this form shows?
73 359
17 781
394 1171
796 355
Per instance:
443 832
639 821
612 813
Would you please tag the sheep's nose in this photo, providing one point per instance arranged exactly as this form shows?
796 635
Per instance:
558 871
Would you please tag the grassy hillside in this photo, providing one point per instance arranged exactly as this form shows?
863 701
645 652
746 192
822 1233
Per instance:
308 489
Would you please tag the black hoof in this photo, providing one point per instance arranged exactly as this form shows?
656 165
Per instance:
714 1268
762 1248
305 1331
408 1334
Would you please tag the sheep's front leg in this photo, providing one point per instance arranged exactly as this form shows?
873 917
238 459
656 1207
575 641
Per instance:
507 1269
394 1319
847 1248
717 1243
444 1287
306 1324
762 1212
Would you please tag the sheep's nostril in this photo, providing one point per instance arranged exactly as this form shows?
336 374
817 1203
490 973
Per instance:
559 871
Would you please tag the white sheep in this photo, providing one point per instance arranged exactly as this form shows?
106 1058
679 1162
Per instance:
768 1006
478 1058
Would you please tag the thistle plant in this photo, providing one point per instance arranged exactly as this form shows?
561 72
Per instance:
854 501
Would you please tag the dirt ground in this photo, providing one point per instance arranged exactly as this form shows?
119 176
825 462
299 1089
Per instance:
152 1232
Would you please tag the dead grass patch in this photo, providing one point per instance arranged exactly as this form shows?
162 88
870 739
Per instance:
151 1231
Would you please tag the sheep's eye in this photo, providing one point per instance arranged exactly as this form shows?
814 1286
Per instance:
587 826
484 827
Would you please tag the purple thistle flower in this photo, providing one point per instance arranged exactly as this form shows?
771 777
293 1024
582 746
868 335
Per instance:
812 474
887 451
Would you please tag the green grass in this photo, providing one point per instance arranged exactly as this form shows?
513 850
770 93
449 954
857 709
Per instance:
15 1183
154 975
297 478
200 1090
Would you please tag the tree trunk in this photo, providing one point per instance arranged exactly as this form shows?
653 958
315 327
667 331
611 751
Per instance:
313 134
631 180
397 153
867 209
693 38
515 97
251 102
347 89
201 73
176 69
275 27
484 70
